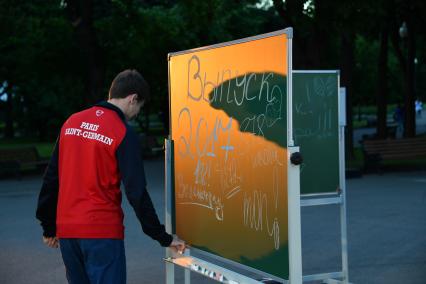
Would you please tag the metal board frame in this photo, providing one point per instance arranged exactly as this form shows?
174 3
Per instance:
294 222
329 198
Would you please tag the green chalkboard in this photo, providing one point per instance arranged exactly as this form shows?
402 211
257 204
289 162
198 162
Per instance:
316 129
228 114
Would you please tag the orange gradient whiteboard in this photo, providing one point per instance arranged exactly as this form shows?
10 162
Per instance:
228 111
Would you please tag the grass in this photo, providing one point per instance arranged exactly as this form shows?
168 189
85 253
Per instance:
44 148
357 161
365 116
359 123
372 109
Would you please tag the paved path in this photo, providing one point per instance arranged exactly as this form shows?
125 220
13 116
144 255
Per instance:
386 226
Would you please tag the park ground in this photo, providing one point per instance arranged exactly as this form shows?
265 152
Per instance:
386 233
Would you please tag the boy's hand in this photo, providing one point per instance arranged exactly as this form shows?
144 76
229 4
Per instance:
178 245
51 242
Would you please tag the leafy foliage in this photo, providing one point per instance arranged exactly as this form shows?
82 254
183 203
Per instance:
44 56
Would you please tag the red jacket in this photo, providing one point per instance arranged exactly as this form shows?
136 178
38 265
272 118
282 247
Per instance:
80 196
89 204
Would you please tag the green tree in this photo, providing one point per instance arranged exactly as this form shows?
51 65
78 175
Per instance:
327 29
38 60
81 16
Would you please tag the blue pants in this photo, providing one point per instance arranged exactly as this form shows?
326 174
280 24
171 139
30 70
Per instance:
94 261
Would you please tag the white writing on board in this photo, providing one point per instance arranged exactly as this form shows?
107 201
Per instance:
266 157
239 82
317 102
212 133
256 211
199 196
229 174
254 104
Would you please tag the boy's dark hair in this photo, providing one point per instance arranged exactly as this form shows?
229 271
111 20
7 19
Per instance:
129 82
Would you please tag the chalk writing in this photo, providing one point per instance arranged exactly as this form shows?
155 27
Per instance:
316 105
256 100
185 112
230 178
266 157
202 172
194 194
256 211
228 80
211 135
266 118
232 192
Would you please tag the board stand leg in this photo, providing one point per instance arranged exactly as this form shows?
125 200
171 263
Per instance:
328 199
170 268
187 273
343 218
294 221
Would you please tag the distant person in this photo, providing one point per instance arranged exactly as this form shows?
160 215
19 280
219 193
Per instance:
398 117
79 205
418 107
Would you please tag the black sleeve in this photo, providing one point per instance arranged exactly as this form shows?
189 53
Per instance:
48 198
133 176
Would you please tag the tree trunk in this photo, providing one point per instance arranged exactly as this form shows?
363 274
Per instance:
9 130
80 13
382 85
320 38
409 114
290 11
347 67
